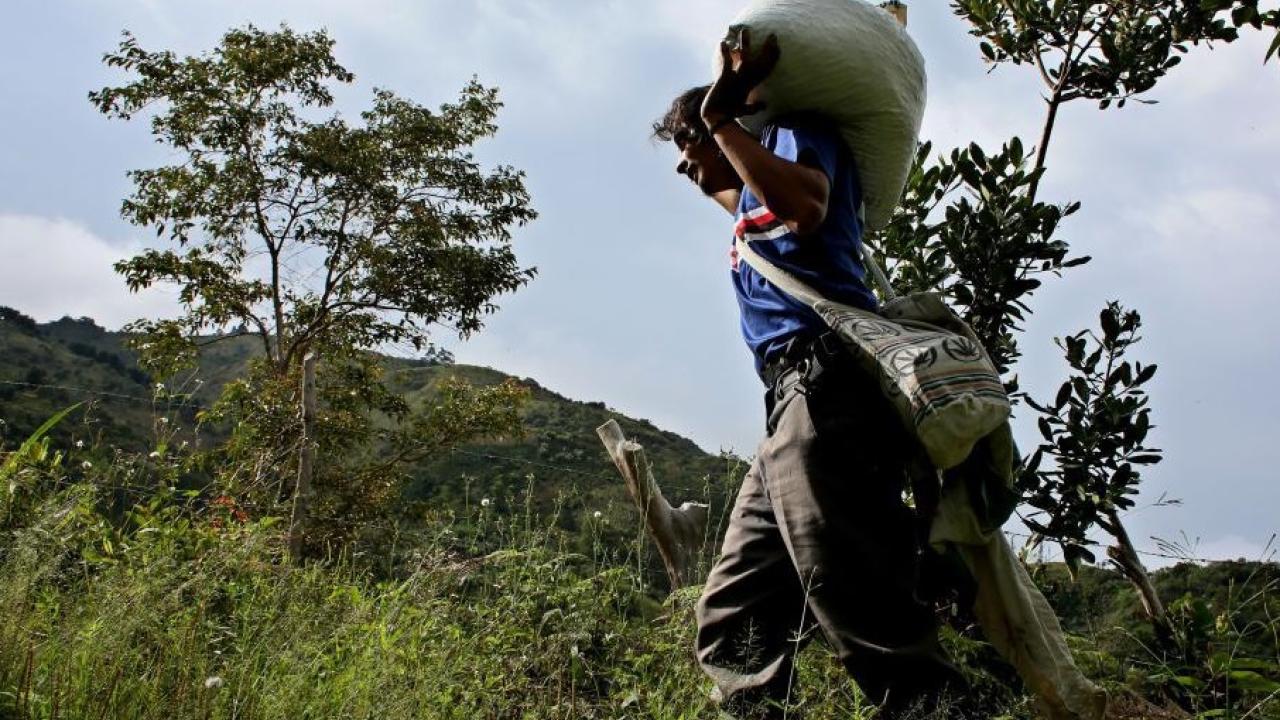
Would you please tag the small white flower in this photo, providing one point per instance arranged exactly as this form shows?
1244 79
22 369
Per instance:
212 683
159 386
597 514
184 443
164 421
79 444
86 464
146 346
154 454
484 502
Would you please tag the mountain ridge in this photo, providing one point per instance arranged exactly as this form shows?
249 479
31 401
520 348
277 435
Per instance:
45 367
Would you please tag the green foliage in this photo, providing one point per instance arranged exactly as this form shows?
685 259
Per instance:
1103 51
1095 430
1246 13
10 317
1210 673
318 236
180 608
21 470
968 227
1109 52
557 459
50 366
404 225
125 598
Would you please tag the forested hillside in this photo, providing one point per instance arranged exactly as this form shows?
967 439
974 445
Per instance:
45 367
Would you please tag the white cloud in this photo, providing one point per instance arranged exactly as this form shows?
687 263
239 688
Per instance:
1218 239
54 267
697 24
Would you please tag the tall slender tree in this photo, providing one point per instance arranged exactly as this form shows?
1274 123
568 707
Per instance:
972 226
315 234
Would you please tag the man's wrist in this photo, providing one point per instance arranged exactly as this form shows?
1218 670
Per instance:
715 124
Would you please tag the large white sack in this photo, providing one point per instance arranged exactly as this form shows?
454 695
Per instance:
852 62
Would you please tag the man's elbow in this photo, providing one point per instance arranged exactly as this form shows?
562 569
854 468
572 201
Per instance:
807 218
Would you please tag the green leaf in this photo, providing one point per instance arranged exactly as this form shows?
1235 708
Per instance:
1110 323
1036 406
978 155
1243 14
1120 376
1190 682
1033 463
1137 432
28 446
1258 664
1064 396
1251 681
1081 388
1145 373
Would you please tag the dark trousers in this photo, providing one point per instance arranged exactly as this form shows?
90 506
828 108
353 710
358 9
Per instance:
820 538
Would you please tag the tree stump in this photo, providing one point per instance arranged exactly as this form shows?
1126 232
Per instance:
679 532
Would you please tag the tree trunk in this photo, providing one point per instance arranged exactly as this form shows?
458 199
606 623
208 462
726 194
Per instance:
306 460
679 533
1125 557
1042 151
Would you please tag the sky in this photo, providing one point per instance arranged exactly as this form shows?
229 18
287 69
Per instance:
632 304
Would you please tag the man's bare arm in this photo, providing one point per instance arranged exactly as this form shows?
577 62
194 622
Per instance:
797 194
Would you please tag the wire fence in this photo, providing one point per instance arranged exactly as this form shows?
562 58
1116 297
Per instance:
182 400
107 394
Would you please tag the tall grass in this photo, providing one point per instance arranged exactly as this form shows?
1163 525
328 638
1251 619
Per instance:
123 597
159 604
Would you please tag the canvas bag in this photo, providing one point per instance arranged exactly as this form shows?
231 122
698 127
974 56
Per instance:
854 63
928 362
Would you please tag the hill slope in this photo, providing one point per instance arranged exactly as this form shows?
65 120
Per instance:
45 367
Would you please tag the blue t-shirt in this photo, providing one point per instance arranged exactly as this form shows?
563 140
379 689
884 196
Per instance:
828 260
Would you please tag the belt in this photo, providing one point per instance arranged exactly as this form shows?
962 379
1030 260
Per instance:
802 353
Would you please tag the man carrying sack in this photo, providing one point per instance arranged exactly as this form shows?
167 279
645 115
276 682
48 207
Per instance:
860 396
819 538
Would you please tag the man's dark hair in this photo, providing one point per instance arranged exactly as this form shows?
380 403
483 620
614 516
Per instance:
685 114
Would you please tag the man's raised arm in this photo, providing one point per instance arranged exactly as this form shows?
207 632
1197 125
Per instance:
795 192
